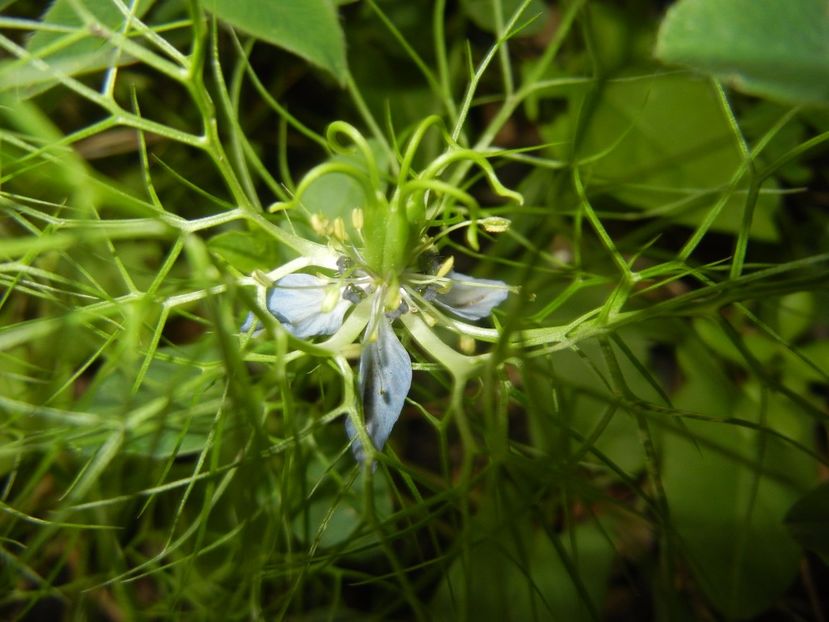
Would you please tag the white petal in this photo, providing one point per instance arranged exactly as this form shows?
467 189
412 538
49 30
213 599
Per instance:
297 302
385 378
472 298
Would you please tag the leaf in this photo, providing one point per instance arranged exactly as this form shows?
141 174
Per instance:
665 146
307 28
332 516
760 346
84 56
808 518
176 380
589 397
769 48
729 487
246 250
336 195
516 573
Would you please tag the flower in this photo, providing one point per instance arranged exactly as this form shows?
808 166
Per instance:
373 260
314 305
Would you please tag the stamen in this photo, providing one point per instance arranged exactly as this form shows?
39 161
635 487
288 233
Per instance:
430 292
466 344
393 299
495 224
446 267
320 224
402 308
332 296
338 229
357 218
353 294
343 265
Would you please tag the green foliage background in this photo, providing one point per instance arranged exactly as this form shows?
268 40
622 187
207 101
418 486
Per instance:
644 436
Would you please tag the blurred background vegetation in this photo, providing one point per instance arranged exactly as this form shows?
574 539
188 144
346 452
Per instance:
647 439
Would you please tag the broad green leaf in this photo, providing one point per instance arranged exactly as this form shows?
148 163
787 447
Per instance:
769 48
246 250
588 406
307 28
336 195
187 399
65 52
758 119
808 518
331 518
664 145
760 346
63 13
517 574
620 37
729 487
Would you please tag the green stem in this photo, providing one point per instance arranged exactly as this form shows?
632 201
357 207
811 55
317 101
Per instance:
204 104
364 111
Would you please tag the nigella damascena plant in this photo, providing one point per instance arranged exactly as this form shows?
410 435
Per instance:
383 273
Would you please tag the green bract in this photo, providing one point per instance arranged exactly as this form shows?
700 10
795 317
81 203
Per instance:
393 228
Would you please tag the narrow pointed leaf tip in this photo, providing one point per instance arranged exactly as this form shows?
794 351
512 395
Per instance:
471 298
298 302
385 378
307 28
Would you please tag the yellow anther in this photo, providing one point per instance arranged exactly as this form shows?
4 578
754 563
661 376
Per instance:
446 267
320 224
357 218
466 344
338 228
495 224
392 299
332 297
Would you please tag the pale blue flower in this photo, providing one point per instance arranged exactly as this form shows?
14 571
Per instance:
310 306
471 298
298 302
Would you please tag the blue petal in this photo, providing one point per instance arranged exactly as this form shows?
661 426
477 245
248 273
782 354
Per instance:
297 302
472 298
385 378
249 320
